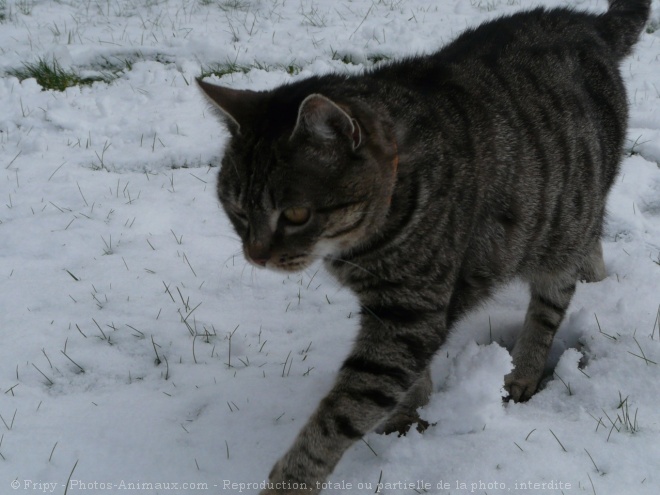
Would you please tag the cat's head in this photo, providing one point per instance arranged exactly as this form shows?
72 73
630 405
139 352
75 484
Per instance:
303 177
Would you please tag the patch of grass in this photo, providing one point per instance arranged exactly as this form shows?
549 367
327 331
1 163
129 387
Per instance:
623 420
313 17
229 5
116 65
222 69
22 6
348 59
377 58
25 6
51 75
632 151
487 6
292 69
345 58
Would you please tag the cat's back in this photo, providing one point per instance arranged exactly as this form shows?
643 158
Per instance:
527 31
557 40
543 74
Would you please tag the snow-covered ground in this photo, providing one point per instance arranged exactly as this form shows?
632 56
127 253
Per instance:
138 350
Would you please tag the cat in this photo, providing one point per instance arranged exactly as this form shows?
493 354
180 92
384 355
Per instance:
425 183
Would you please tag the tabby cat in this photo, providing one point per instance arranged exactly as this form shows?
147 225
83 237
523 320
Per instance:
425 183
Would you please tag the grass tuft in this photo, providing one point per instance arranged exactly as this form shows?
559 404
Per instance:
656 324
232 67
230 5
69 479
560 444
377 58
22 6
51 75
592 460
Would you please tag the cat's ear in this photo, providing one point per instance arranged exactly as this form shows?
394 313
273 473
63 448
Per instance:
237 107
322 117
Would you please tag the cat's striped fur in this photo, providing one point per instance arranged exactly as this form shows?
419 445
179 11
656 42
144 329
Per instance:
424 184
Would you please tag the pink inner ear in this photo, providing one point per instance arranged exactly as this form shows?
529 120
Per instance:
357 134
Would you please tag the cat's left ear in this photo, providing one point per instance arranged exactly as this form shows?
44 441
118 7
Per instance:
323 118
237 107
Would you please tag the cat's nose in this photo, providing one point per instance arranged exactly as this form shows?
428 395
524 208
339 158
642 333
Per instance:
259 261
258 253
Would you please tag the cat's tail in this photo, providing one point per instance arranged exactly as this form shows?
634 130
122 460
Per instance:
623 23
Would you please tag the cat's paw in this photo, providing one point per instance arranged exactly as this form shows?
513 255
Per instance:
520 388
401 423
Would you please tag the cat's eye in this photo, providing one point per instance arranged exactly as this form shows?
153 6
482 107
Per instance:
297 215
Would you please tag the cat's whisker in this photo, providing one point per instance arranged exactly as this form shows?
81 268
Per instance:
245 266
233 256
253 273
230 237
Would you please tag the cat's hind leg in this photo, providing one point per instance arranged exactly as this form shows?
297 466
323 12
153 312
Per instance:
551 294
406 412
593 266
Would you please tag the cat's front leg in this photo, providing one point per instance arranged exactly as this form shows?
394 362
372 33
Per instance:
392 353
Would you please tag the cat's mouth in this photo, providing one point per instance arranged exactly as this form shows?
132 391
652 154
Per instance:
284 262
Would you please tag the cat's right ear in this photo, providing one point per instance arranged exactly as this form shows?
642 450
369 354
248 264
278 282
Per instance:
319 116
236 107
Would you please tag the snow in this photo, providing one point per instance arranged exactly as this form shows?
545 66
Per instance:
139 347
